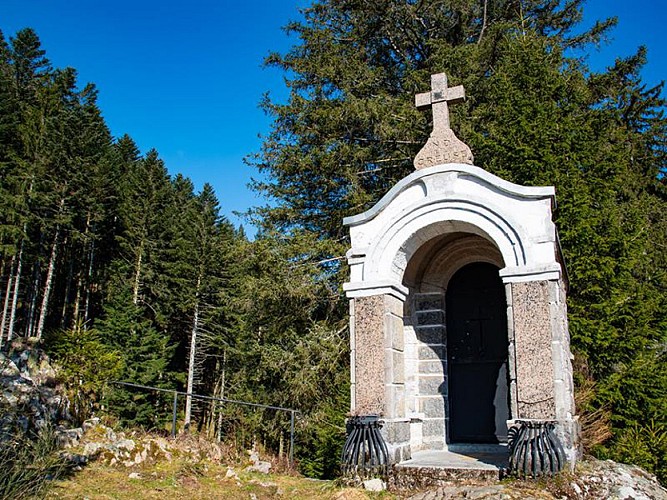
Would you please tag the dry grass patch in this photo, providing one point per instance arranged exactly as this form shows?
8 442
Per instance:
203 480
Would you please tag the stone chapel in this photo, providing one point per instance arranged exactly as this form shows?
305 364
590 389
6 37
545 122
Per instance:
458 319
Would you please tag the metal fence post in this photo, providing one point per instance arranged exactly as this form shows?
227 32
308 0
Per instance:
173 419
291 439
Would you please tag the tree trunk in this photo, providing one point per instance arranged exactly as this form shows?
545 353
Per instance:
191 362
222 393
77 299
47 286
36 282
79 281
89 283
137 275
68 288
15 297
213 406
8 292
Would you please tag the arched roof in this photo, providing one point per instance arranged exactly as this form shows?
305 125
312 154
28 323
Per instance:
453 198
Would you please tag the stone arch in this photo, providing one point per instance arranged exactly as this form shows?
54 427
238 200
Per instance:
433 264
427 277
402 238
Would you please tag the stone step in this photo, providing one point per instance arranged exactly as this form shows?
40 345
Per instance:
480 463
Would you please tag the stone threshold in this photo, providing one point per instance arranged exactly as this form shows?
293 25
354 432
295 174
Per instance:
460 462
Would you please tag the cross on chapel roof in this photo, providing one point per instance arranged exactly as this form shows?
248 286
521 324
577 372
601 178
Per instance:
442 146
439 99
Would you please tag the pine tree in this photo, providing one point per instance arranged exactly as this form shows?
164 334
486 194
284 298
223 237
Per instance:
132 321
145 354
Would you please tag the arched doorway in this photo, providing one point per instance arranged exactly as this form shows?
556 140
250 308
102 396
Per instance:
476 322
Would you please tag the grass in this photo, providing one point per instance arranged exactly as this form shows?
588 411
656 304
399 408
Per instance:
28 463
203 480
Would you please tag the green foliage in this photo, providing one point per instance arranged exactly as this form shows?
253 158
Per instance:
286 346
644 445
636 390
86 365
322 436
29 464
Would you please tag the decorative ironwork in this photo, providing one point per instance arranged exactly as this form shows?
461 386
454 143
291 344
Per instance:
535 449
365 452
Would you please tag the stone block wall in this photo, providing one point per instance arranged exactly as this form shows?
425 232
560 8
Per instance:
429 358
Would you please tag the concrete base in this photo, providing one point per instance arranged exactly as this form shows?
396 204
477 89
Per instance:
429 468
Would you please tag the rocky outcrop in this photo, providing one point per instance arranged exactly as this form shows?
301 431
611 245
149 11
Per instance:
95 441
605 479
593 480
29 395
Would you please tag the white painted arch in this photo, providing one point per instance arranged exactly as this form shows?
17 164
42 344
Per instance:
452 198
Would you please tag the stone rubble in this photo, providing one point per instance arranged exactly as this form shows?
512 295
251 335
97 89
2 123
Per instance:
29 395
99 442
606 479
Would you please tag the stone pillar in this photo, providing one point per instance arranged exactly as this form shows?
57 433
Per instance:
541 384
532 344
367 354
377 367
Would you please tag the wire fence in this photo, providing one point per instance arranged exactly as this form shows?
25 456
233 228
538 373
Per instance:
292 412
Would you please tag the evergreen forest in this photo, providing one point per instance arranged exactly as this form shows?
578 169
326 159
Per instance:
125 272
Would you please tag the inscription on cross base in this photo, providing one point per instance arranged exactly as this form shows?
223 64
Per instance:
442 146
439 98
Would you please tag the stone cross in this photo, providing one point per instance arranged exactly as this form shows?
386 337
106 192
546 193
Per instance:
442 146
439 98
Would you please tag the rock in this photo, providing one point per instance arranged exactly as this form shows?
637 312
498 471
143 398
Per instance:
29 397
374 485
134 475
7 367
615 481
124 444
69 437
625 492
592 480
259 466
110 435
75 459
92 449
231 474
264 484
90 423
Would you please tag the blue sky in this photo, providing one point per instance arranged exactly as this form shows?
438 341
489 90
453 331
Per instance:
186 78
